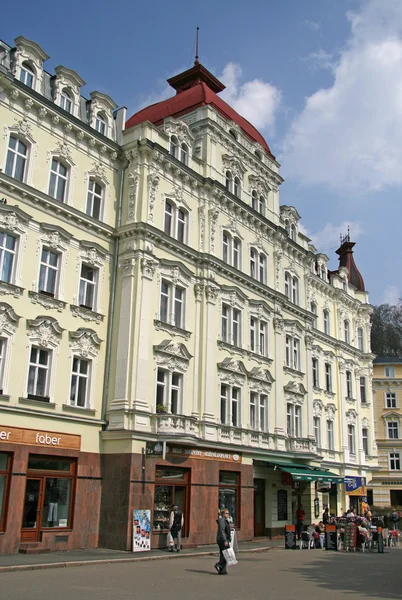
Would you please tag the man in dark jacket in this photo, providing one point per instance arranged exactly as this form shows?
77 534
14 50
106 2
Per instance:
223 540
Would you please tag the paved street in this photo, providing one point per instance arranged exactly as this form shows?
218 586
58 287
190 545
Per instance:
290 575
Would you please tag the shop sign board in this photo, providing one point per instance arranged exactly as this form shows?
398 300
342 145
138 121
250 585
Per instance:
156 449
290 537
355 486
331 537
141 530
43 439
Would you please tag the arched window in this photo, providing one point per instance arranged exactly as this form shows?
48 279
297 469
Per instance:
184 153
174 146
233 134
314 310
58 180
262 268
295 290
254 200
231 250
288 284
292 232
94 199
261 205
346 331
323 272
236 187
27 75
66 102
175 221
287 226
100 123
325 316
360 338
258 154
229 181
17 158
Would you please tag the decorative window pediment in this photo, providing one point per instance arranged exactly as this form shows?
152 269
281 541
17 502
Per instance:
366 423
290 213
330 411
55 237
317 408
259 184
13 219
8 319
233 296
234 165
32 54
62 151
391 416
295 388
232 372
44 331
260 309
172 355
85 342
180 129
260 380
177 273
104 105
351 417
92 254
68 80
293 328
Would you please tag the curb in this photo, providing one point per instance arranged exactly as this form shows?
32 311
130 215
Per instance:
86 563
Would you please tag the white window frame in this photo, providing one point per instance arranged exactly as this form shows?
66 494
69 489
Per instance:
292 352
315 367
172 385
351 438
258 336
328 377
326 323
173 302
389 372
101 123
349 384
26 72
390 400
292 291
294 420
363 390
17 157
231 250
173 219
365 440
55 176
393 430
346 331
93 195
330 435
86 284
36 366
8 251
3 361
317 431
67 100
314 310
45 266
394 461
258 411
230 405
360 338
231 325
80 378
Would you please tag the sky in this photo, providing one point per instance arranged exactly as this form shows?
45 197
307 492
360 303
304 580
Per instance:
321 80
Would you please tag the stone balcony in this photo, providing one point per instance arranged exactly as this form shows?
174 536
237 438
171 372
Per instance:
301 445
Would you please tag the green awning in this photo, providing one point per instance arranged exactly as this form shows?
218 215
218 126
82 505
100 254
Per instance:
304 473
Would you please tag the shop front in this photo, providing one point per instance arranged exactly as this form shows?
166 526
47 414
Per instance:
45 488
356 490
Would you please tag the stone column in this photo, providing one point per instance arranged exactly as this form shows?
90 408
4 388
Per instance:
209 375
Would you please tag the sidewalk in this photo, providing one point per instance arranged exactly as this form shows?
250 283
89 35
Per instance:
76 558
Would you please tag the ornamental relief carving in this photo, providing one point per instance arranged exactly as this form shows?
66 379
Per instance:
62 150
8 289
330 411
8 319
85 342
153 182
351 417
11 222
47 302
44 331
201 221
317 408
133 179
86 314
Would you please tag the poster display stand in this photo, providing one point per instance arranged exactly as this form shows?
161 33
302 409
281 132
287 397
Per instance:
141 530
290 537
331 537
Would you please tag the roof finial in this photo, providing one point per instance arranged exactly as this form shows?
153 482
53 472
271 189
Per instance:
196 62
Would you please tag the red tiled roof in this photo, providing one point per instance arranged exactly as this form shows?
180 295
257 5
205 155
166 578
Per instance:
195 87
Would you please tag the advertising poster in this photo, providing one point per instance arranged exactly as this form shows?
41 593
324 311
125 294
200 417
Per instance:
356 486
141 530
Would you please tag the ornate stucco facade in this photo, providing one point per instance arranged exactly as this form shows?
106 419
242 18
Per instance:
152 265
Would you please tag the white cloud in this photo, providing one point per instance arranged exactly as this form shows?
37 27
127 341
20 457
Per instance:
255 100
391 295
313 25
328 238
348 135
321 60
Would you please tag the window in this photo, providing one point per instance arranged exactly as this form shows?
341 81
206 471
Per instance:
349 392
229 494
316 379
393 430
27 75
292 232
363 396
88 284
292 288
169 386
175 223
314 310
3 350
174 146
394 461
330 435
171 487
292 353
360 338
8 246
328 377
323 273
258 336
262 271
5 472
346 331
258 411
389 371
184 154
325 316
351 439
390 400
80 380
100 123
58 180
230 405
294 420
48 275
231 250
172 304
229 181
317 431
94 199
295 290
17 157
365 440
258 202
65 101
39 374
236 187
231 325
258 265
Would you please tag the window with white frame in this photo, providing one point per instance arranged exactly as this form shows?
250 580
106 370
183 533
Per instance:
230 405
169 391
58 180
351 439
258 265
258 411
349 391
80 382
100 123
94 198
175 223
292 288
183 157
394 461
393 430
236 187
231 325
314 310
66 102
258 336
293 419
27 75
317 431
8 249
258 202
325 316
172 302
292 352
292 232
389 371
390 399
3 351
360 338
232 184
17 158
365 440
174 146
49 272
39 373
231 250
88 285
316 372
330 435
328 377
323 273
346 331
363 395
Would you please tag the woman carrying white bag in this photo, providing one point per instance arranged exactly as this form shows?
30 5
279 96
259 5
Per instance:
227 556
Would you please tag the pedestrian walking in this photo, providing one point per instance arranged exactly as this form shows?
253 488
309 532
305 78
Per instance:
394 519
176 522
223 540
325 516
300 516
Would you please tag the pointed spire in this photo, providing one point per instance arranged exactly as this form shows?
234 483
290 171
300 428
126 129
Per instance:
196 62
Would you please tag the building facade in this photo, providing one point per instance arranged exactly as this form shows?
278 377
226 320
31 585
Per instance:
386 486
170 334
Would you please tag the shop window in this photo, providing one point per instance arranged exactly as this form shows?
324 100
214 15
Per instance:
5 470
229 494
171 487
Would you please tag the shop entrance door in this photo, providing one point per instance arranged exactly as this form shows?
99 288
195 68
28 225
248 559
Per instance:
259 507
31 520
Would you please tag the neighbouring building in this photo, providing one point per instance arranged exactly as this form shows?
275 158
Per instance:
168 333
386 486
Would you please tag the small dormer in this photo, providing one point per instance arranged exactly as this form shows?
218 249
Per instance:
181 140
101 113
66 90
321 266
290 218
28 63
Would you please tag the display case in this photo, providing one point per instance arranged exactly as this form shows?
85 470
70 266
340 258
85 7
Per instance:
162 506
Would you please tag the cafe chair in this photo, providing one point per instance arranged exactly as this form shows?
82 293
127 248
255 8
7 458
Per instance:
306 540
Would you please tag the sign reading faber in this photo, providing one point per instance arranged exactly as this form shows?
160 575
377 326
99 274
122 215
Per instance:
156 449
32 437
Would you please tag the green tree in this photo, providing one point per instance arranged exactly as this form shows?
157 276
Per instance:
386 330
